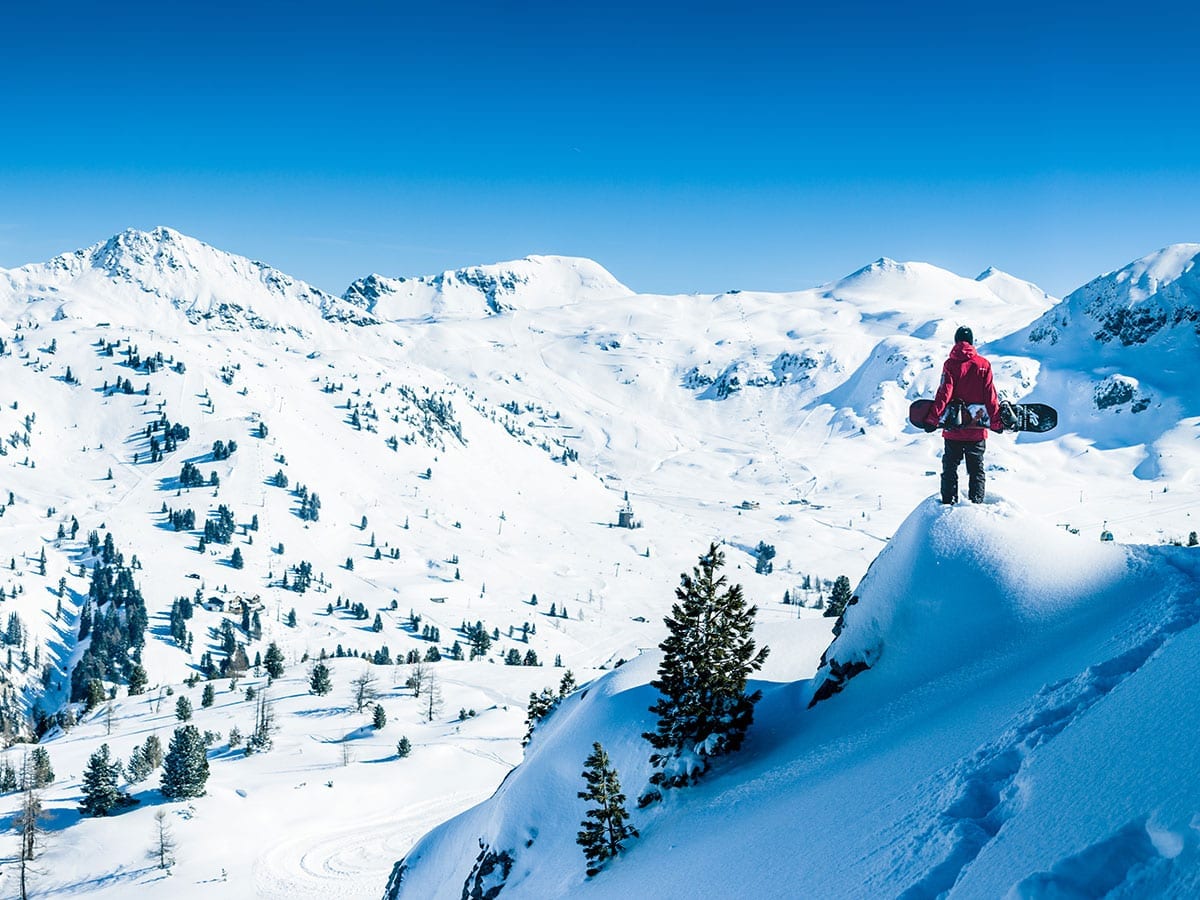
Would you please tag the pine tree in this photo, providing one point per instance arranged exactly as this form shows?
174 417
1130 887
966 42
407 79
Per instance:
183 709
704 710
153 752
236 559
379 719
40 769
8 777
209 695
138 769
100 793
185 769
273 661
319 682
604 828
403 747
840 597
137 680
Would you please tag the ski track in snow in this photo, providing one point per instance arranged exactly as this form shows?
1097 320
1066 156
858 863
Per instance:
352 860
984 791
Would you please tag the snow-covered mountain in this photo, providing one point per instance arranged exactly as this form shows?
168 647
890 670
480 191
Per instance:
1121 354
472 438
534 282
114 281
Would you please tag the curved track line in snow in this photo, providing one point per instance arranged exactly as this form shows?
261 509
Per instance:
351 860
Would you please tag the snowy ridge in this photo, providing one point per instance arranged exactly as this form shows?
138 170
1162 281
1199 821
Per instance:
120 279
943 769
530 283
1144 313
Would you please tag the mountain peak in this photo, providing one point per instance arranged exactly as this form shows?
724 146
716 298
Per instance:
533 282
208 285
1152 302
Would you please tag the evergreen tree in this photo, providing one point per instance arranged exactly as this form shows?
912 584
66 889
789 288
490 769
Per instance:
236 559
209 695
319 682
273 661
100 793
377 625
183 709
704 710
153 752
40 769
540 706
185 769
604 829
137 680
138 769
290 621
379 719
8 777
840 597
403 747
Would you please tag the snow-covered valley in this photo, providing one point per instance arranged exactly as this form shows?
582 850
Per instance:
424 455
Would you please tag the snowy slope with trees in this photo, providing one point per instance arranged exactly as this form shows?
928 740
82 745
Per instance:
1018 732
210 470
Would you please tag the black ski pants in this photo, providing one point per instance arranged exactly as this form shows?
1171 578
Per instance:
955 452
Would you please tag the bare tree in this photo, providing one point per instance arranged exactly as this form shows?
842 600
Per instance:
163 848
364 689
27 823
418 675
108 719
433 698
347 757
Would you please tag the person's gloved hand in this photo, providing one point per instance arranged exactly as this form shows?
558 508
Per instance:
930 427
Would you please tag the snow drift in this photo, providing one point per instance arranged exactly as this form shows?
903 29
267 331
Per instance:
1003 653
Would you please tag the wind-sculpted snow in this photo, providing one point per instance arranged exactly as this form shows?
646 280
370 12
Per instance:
957 581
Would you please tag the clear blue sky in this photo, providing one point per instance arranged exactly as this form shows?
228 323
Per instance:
687 147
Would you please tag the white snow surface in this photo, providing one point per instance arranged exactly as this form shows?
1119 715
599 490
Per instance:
534 282
1021 733
489 448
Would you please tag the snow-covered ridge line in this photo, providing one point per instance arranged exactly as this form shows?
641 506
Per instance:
534 282
210 287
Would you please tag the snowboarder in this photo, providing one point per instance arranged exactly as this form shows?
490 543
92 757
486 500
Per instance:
966 382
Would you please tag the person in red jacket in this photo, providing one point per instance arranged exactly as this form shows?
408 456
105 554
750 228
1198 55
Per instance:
968 393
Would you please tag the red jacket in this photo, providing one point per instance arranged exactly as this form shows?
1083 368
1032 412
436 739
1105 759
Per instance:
966 376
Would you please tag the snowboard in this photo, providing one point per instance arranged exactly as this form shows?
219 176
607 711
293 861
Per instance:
1036 417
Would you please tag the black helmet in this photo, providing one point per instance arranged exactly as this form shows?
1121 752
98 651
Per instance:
964 334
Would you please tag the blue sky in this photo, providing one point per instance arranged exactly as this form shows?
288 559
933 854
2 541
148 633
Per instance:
687 147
